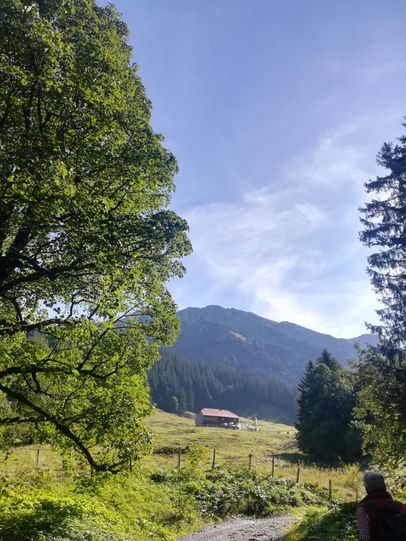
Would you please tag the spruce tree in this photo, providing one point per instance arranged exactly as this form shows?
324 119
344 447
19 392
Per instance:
325 404
381 404
384 228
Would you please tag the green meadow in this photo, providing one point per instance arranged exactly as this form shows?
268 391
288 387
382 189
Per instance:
45 497
233 448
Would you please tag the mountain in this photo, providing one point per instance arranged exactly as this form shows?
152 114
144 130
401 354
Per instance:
253 344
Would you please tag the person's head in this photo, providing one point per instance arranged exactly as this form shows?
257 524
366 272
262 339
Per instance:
374 482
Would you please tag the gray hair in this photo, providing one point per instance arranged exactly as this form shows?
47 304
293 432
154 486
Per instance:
374 482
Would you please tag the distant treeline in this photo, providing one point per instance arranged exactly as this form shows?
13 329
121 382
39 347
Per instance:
178 385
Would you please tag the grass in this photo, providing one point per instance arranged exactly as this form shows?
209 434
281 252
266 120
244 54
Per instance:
50 504
157 502
326 524
234 446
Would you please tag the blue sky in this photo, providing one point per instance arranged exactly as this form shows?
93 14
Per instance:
275 110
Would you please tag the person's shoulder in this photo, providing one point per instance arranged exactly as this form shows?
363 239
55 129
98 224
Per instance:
375 503
400 504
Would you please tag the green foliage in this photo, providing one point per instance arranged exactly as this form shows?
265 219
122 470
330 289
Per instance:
136 507
38 517
162 504
120 510
222 493
326 400
337 524
195 456
86 241
381 411
353 479
384 229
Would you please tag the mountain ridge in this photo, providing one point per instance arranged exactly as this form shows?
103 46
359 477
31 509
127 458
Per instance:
249 342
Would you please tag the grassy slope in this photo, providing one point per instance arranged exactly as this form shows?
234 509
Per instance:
231 445
234 446
335 523
132 507
50 504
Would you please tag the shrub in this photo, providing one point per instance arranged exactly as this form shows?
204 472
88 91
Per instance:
221 493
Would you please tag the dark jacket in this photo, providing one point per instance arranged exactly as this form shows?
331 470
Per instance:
373 504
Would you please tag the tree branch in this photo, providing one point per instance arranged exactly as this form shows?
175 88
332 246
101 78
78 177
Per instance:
20 420
27 327
63 429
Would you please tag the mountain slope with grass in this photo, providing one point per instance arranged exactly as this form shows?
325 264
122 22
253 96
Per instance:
57 498
250 343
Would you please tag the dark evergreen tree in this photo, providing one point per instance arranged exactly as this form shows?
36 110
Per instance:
384 228
330 361
196 386
325 404
381 407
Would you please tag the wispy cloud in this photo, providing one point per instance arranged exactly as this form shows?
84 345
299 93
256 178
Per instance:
382 71
285 249
332 163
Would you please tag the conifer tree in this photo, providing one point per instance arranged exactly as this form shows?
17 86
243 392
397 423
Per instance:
384 228
325 404
381 404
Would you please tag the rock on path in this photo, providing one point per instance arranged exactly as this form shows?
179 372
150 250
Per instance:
244 529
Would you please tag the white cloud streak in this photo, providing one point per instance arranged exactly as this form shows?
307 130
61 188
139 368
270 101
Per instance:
286 249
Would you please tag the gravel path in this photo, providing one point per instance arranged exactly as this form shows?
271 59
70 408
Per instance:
244 529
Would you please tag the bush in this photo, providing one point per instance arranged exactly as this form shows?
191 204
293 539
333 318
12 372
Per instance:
28 514
221 493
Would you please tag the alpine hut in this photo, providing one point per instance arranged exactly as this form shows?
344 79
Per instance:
215 417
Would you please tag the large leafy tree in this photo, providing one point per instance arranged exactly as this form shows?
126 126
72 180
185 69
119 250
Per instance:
381 410
87 243
325 404
384 228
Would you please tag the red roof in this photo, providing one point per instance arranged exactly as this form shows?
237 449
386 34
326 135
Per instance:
212 412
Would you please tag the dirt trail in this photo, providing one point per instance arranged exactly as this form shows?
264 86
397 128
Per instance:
244 529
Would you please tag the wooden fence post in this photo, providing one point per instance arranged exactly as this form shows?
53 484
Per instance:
249 461
213 463
330 491
179 451
38 457
273 465
298 473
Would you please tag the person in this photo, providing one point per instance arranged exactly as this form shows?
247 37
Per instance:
378 503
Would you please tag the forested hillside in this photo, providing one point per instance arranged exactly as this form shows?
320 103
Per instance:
178 385
247 342
236 360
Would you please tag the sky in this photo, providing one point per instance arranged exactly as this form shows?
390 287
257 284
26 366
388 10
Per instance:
275 111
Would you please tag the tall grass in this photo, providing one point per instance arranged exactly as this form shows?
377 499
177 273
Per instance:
233 448
57 499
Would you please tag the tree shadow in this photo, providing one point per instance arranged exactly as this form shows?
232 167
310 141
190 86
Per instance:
337 524
46 516
292 457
